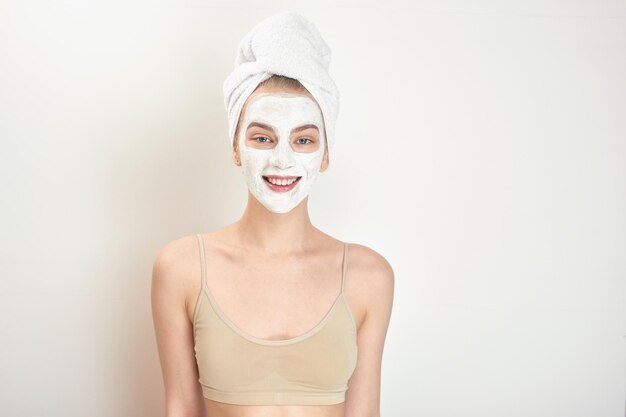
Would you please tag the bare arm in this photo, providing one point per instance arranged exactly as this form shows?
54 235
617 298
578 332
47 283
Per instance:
174 334
363 395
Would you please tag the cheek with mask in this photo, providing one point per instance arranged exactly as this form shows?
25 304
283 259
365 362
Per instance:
279 159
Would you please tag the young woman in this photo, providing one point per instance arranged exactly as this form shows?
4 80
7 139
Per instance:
270 316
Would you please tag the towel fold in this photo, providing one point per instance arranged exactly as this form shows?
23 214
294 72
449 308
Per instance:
285 44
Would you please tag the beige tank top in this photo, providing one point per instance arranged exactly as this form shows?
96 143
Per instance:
238 368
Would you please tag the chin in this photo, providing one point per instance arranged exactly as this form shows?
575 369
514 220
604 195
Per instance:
282 209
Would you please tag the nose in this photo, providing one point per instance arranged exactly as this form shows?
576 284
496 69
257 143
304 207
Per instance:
282 156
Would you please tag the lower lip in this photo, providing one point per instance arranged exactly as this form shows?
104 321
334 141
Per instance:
282 188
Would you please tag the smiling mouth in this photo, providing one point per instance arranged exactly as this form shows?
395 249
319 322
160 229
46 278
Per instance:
276 180
281 184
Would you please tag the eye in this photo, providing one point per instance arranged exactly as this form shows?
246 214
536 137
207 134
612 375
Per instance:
262 137
304 143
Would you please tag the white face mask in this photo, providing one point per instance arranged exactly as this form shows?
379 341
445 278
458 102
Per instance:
281 153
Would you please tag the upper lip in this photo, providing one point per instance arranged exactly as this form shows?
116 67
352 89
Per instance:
280 177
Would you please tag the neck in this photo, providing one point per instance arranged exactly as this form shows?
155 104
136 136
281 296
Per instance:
264 231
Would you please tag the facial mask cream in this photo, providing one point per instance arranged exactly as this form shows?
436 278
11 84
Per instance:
271 146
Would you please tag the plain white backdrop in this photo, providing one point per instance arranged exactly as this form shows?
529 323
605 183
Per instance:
481 149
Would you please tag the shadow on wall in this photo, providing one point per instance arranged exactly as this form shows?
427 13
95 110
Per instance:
173 176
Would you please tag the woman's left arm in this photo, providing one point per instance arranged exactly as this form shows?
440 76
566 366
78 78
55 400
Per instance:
377 287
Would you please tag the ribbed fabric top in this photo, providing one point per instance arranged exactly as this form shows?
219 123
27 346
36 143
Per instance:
238 368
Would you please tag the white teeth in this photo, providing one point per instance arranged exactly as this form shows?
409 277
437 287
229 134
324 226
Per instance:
281 181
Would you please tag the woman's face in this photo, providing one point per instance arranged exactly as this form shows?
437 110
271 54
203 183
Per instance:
282 147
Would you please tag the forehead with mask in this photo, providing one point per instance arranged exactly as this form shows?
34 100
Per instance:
280 143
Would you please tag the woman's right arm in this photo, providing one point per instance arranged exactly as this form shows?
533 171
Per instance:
174 333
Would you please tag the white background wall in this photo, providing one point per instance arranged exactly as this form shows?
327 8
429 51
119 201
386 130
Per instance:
481 149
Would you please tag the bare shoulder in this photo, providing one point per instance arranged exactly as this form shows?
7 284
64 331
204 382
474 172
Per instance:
173 256
175 263
371 280
373 270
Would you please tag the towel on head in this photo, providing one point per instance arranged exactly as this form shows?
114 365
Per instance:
284 44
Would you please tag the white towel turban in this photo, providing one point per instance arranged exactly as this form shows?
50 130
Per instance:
284 44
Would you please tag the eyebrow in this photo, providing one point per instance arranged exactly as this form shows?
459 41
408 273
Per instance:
294 130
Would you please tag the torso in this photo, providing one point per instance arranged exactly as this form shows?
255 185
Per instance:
274 300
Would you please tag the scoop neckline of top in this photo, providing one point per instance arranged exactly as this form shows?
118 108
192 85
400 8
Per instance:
272 342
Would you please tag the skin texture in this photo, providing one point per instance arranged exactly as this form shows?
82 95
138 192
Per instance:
274 275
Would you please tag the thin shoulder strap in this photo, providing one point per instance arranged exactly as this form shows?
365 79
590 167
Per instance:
202 263
345 266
